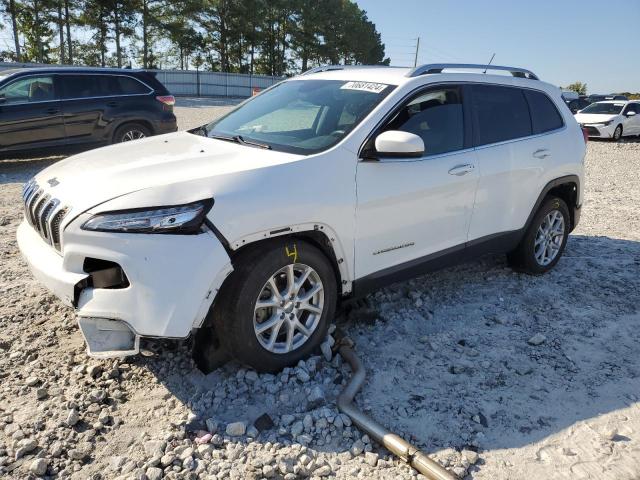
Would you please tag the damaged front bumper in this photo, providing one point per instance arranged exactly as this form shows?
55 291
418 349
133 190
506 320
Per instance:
153 286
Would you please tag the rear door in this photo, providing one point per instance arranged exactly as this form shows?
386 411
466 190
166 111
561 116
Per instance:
30 114
511 161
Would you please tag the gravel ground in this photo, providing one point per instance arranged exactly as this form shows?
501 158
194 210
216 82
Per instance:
498 375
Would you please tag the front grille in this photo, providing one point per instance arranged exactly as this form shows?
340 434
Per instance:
44 213
593 131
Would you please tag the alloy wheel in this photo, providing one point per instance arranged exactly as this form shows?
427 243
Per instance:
288 308
133 135
549 238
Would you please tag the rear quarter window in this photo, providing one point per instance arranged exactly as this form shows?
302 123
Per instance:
544 114
500 114
129 86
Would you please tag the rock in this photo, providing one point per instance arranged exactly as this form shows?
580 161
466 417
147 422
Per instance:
287 419
203 437
252 432
56 449
325 348
212 425
72 417
77 454
296 429
32 381
357 448
537 339
323 471
236 429
470 456
251 376
268 471
307 422
39 466
97 396
316 397
263 422
25 446
42 393
167 459
480 419
94 370
371 458
154 473
302 375
151 447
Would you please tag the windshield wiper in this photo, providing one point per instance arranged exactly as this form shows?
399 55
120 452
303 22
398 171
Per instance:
241 140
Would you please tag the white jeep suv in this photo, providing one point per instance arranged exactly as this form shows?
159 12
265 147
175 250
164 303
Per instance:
326 186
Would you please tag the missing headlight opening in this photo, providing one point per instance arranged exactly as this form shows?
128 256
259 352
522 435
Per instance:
104 274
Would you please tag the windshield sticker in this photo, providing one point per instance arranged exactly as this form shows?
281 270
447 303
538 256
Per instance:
364 86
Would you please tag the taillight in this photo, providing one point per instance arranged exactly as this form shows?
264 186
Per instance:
167 100
585 135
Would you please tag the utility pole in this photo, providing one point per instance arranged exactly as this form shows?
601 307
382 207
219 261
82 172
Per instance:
415 60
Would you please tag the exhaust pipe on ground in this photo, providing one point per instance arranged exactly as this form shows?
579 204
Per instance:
392 442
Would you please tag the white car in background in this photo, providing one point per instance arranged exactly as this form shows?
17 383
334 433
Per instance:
612 119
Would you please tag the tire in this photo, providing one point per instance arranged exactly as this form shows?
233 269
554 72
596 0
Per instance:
617 134
528 256
130 131
238 319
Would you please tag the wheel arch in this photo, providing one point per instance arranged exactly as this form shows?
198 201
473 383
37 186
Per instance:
568 189
319 235
140 121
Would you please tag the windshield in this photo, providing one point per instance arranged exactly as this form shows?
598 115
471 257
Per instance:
300 116
604 108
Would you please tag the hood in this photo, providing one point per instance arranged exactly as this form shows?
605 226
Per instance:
94 177
594 117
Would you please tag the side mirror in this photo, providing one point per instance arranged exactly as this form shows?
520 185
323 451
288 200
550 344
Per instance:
630 114
395 143
578 111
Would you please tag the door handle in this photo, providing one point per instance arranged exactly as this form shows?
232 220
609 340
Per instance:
541 153
52 111
460 170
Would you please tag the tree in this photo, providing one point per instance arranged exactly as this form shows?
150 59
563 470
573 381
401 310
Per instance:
579 87
10 9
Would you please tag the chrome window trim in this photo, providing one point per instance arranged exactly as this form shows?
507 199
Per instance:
21 77
436 84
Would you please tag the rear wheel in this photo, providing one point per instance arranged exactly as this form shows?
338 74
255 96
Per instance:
276 306
545 239
617 133
131 131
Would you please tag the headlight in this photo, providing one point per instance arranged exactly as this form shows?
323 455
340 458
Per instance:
607 123
178 219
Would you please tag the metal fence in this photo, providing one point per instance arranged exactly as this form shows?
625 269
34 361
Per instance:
193 83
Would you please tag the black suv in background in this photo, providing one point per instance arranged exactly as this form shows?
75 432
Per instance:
46 107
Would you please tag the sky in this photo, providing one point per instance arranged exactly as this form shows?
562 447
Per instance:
561 41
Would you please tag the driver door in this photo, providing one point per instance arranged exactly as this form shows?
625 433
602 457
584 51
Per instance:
412 210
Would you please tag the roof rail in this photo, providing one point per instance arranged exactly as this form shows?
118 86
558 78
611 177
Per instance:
327 68
438 67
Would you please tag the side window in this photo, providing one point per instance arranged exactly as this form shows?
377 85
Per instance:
436 116
500 113
129 86
30 89
544 114
80 86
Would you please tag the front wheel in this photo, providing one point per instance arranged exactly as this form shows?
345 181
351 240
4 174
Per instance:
276 307
617 133
544 240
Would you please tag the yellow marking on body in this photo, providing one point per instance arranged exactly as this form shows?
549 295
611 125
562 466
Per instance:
293 253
